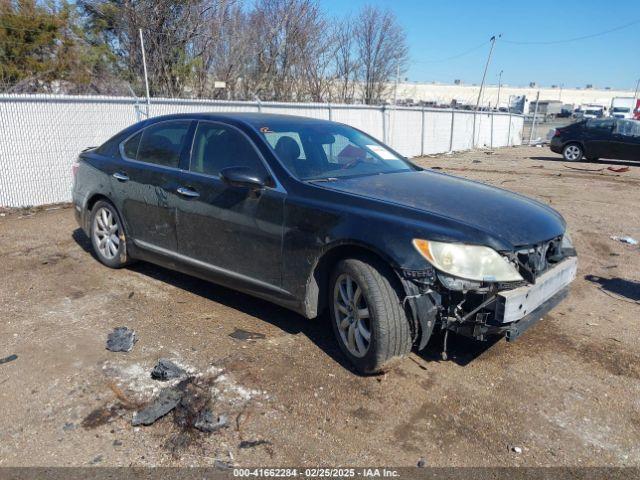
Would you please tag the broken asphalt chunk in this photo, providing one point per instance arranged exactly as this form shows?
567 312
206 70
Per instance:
166 370
240 334
121 340
8 359
166 401
207 422
253 443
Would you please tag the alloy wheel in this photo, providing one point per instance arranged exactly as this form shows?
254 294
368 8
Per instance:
572 152
106 233
352 315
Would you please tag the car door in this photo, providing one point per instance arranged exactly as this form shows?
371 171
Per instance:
627 139
233 231
598 138
147 180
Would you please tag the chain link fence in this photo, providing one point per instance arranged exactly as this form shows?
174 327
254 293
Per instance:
41 135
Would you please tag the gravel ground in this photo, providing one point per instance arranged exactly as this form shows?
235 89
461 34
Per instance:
566 393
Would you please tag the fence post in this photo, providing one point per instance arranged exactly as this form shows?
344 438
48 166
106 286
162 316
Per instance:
509 131
330 113
422 135
491 136
453 116
384 125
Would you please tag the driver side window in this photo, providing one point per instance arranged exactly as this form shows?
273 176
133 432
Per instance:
217 146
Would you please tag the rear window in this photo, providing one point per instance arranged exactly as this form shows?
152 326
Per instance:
605 124
130 147
160 144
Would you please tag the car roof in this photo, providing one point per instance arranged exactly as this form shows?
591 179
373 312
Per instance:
254 119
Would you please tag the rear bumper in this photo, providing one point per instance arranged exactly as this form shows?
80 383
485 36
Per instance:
555 145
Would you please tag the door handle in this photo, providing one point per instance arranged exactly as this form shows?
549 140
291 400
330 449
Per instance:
187 192
122 177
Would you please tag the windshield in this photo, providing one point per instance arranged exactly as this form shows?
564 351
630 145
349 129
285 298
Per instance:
315 151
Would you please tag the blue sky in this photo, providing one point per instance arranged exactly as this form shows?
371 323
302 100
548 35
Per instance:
438 29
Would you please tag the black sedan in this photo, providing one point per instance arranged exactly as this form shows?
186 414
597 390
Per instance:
315 215
598 138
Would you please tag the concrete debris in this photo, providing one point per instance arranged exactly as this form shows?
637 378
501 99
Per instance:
8 359
166 370
625 239
517 450
166 401
121 340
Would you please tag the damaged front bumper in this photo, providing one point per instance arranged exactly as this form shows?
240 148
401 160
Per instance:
508 312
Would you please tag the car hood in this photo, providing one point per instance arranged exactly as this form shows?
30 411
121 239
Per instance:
504 215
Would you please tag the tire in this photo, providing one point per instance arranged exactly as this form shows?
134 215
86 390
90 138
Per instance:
107 235
572 152
372 303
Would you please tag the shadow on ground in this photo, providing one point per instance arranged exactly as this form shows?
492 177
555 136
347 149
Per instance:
318 330
460 350
618 286
606 162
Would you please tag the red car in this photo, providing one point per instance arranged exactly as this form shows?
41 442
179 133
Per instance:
636 111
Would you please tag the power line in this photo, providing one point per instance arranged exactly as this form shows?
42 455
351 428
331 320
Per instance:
458 55
575 39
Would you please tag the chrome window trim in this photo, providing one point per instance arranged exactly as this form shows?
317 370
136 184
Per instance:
278 185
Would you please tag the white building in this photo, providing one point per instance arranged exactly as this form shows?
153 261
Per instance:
442 94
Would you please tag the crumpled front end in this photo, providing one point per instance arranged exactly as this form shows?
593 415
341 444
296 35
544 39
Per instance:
437 301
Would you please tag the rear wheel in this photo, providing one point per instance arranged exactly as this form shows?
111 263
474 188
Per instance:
367 317
107 235
572 152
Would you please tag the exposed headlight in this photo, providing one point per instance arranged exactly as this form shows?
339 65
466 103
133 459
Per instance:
566 241
472 262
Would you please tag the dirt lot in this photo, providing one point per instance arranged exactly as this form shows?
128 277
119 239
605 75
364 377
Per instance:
567 393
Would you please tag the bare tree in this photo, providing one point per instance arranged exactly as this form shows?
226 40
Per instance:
345 62
382 48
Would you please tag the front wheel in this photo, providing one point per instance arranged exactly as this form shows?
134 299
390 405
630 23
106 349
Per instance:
107 235
572 152
367 317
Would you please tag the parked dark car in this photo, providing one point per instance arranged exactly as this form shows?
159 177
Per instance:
598 138
315 215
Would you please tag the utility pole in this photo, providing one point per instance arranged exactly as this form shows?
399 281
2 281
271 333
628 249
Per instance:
499 87
635 95
484 75
144 65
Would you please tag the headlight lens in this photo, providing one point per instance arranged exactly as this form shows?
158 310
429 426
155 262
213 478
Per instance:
566 241
472 262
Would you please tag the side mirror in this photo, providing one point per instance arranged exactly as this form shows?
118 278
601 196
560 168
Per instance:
246 177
